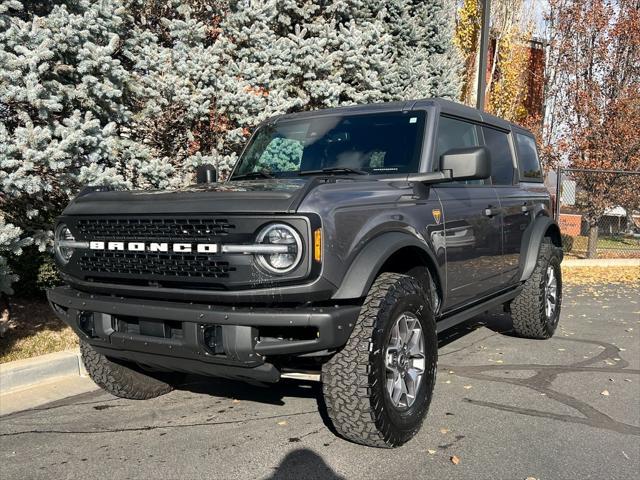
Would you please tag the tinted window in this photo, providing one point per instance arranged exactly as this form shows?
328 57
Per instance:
457 134
528 157
501 161
378 143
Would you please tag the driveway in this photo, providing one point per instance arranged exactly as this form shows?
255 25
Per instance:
504 407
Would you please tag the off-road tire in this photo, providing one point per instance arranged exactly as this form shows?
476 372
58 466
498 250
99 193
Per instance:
353 381
528 308
125 381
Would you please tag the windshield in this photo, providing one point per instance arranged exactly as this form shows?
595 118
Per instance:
374 144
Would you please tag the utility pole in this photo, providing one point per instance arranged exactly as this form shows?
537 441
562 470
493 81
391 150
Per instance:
484 49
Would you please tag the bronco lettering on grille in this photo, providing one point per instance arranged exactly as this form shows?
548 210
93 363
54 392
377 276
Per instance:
155 247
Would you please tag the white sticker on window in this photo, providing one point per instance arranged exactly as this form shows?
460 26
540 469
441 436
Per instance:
413 119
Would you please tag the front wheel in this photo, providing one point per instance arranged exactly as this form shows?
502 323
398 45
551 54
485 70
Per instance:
379 386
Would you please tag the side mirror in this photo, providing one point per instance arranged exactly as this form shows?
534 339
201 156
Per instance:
471 163
206 174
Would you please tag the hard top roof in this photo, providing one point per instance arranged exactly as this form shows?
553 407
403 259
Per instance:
445 106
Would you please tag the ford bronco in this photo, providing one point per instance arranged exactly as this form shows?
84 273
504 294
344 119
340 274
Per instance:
342 242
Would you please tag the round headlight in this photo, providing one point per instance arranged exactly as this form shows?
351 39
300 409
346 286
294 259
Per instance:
62 239
280 235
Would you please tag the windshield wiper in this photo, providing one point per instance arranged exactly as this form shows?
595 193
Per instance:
258 174
333 170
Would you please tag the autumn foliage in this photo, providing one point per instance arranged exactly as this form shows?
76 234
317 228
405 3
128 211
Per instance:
593 100
508 57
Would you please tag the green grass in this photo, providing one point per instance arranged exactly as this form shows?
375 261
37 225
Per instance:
607 243
34 331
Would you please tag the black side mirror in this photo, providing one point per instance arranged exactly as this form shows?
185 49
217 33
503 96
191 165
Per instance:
206 174
471 163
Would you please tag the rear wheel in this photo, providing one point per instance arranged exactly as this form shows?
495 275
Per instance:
536 310
379 386
123 380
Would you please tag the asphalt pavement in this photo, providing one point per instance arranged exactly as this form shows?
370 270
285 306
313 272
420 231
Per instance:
504 408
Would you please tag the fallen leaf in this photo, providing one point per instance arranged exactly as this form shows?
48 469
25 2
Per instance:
431 452
561 349
444 430
499 361
455 460
605 393
448 381
467 387
282 423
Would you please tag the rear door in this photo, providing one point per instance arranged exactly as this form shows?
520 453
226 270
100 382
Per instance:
472 223
514 201
521 198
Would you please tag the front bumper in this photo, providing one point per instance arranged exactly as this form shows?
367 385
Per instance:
216 340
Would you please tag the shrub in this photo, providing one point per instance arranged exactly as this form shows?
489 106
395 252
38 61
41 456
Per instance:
567 242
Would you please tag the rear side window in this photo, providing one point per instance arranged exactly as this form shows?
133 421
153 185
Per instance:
501 160
528 158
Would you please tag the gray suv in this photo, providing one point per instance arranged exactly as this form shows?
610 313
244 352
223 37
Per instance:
343 241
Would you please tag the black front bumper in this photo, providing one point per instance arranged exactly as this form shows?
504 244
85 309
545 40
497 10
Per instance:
226 341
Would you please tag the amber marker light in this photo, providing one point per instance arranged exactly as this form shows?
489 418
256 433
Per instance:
317 245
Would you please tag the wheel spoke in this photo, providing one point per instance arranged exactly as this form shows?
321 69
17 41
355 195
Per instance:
398 386
417 363
416 346
412 381
551 277
404 360
551 292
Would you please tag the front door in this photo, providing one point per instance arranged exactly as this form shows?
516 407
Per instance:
473 239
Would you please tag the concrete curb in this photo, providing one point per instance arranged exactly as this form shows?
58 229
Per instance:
601 262
31 371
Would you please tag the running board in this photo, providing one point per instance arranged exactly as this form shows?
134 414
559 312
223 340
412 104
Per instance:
469 312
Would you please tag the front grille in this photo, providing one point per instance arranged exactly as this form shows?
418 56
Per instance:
163 264
194 228
170 269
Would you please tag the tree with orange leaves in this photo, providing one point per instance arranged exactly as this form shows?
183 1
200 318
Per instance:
593 116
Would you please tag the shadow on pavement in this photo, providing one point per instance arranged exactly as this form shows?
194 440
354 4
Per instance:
263 393
497 322
304 463
256 392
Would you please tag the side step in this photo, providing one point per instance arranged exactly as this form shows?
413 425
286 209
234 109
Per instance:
454 319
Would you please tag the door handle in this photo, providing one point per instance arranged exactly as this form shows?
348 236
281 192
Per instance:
491 212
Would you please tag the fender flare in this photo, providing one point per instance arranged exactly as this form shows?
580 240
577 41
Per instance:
531 241
364 268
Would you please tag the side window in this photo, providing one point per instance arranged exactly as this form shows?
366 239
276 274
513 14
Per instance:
454 133
501 160
528 158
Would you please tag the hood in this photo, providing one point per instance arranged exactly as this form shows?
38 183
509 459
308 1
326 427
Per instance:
281 195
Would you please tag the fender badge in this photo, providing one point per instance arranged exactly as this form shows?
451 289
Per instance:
436 215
